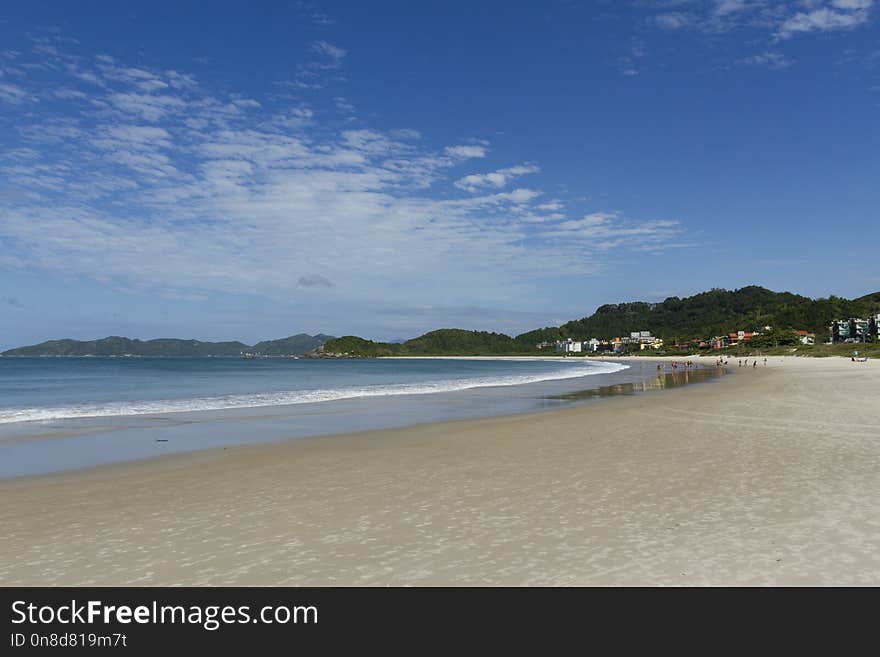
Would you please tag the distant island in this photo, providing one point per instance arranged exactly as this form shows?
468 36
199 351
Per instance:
681 324
295 345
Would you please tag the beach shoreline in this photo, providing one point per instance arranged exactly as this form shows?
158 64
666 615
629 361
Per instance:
768 477
32 447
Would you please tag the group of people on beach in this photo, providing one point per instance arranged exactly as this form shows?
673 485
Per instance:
754 362
718 363
675 364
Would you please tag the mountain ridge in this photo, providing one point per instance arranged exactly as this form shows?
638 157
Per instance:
294 345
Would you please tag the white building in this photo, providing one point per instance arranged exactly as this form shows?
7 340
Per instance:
569 346
642 338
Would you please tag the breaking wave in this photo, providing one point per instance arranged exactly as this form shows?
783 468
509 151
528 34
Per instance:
284 398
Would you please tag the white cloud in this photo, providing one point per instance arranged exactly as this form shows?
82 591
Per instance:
344 105
146 106
784 18
772 60
407 134
466 152
852 4
674 20
727 7
139 134
70 94
13 94
521 195
181 191
497 179
329 50
608 230
826 19
320 70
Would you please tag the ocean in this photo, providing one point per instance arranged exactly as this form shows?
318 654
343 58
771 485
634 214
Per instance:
67 413
63 388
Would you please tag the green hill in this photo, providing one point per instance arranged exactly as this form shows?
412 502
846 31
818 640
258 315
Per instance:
703 315
711 313
351 345
293 345
443 342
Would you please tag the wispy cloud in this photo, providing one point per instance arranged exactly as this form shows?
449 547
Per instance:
628 64
314 13
674 20
328 50
840 15
466 151
774 60
766 24
782 19
321 69
13 94
142 177
496 179
608 230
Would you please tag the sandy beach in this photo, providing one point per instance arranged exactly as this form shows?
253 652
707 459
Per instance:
770 476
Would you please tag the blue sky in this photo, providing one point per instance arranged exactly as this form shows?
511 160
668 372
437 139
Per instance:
232 171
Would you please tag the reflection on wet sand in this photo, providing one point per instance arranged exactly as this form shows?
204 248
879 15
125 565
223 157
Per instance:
662 381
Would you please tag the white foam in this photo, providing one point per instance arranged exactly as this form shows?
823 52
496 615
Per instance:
285 398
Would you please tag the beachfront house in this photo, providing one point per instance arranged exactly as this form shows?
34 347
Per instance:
721 341
853 330
645 340
741 336
570 346
641 339
806 337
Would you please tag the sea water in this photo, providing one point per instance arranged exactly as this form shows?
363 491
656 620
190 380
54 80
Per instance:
64 388
66 413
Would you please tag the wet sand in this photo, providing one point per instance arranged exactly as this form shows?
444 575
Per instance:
767 477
